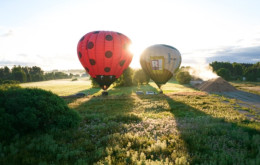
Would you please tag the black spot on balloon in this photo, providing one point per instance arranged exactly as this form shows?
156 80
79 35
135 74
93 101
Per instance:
90 45
82 38
96 32
121 63
109 37
108 54
119 33
80 55
92 62
107 69
86 69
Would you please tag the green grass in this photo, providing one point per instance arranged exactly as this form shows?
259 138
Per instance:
68 87
125 128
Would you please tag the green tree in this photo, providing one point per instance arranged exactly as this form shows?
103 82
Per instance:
5 73
140 77
183 77
18 74
1 73
237 70
218 65
49 76
36 73
253 73
26 70
60 75
126 79
224 73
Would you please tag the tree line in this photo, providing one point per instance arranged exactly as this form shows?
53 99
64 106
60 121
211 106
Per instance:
228 71
28 74
236 71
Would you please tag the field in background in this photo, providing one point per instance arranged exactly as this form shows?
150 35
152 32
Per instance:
252 87
62 87
67 87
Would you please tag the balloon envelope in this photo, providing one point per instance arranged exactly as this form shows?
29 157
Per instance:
104 55
159 62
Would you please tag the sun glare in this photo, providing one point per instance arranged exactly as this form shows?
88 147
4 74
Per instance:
136 50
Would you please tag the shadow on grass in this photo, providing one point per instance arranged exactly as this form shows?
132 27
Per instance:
208 139
212 140
87 92
90 91
131 89
103 119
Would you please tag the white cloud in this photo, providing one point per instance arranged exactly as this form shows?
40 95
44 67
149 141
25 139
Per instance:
6 34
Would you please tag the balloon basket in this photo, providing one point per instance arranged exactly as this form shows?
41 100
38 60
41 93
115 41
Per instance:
161 92
104 93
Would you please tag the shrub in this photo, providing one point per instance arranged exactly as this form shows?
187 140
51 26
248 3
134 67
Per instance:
8 82
31 110
4 87
183 77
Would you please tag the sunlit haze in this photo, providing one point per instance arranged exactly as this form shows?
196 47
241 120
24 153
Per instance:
46 33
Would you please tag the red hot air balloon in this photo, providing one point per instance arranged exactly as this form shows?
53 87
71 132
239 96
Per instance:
104 55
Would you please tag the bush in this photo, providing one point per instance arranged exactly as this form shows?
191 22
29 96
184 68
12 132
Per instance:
94 84
183 77
25 111
224 73
8 82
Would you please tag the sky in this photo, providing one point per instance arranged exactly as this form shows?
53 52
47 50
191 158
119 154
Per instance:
46 33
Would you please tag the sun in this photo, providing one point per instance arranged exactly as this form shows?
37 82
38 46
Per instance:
136 50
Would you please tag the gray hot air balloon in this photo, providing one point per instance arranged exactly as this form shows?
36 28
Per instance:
159 62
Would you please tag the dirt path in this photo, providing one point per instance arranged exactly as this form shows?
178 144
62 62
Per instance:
249 98
246 100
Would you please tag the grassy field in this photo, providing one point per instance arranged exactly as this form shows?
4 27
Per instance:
252 87
67 87
63 87
181 126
